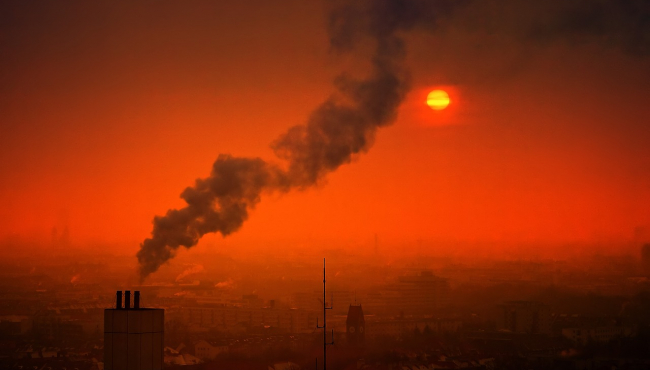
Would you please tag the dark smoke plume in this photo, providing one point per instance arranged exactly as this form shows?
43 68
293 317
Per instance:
346 123
341 127
623 24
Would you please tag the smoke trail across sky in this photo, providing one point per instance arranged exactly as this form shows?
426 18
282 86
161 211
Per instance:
345 124
342 126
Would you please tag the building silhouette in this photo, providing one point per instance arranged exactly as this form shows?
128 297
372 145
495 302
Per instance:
645 258
525 317
133 336
420 294
355 323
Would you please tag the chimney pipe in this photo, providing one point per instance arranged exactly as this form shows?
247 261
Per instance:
118 303
127 299
136 299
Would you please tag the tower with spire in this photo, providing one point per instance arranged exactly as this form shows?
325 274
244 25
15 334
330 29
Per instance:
355 325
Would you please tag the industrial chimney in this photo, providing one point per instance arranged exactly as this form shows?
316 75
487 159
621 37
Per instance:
127 299
133 336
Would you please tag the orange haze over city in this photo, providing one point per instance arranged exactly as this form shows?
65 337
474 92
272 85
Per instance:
369 184
109 112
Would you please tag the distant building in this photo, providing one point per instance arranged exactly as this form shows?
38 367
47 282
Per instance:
13 325
49 325
355 323
645 258
420 294
209 350
237 319
133 336
583 335
525 317
399 327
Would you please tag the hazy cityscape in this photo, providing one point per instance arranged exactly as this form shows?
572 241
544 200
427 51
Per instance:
419 312
325 185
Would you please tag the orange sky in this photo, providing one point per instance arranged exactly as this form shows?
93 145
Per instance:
109 112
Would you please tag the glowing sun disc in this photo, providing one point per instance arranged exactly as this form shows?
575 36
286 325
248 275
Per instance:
438 100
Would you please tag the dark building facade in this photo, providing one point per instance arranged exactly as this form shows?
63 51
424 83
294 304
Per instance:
133 336
355 331
525 317
645 258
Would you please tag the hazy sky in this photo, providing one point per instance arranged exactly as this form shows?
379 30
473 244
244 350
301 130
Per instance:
110 109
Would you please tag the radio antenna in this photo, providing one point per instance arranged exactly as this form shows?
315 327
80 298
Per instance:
324 327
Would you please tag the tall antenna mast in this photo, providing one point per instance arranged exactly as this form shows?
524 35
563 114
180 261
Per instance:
324 327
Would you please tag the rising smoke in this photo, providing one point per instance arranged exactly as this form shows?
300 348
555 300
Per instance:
193 269
341 127
346 123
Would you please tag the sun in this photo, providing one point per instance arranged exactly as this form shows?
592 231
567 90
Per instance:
438 99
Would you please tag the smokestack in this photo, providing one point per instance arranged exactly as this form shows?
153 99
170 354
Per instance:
118 303
136 300
127 299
